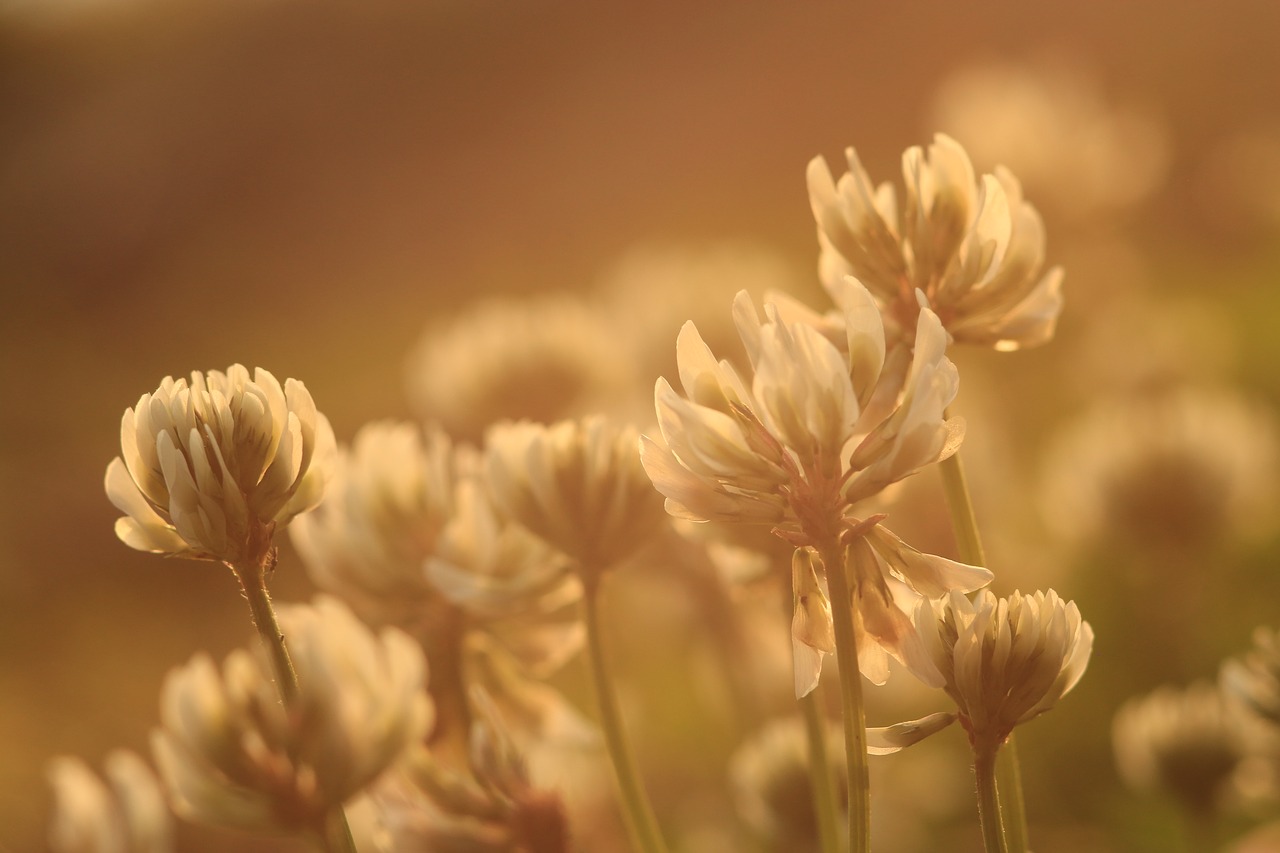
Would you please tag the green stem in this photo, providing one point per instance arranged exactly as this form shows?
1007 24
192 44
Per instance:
984 768
820 777
252 575
855 721
965 524
641 823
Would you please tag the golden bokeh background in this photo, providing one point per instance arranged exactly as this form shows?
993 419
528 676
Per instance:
307 186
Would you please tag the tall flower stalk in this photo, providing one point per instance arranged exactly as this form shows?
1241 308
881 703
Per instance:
825 419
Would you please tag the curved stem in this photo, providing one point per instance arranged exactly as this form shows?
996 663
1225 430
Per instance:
252 575
984 769
641 823
855 721
965 524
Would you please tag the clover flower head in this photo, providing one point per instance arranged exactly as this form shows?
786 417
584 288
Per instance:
1004 661
577 484
211 467
1189 742
231 754
1254 678
825 419
128 814
971 245
391 496
541 359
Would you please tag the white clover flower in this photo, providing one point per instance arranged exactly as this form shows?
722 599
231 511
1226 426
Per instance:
129 816
391 496
1004 661
231 754
576 484
541 359
973 247
1190 742
211 467
826 420
1186 469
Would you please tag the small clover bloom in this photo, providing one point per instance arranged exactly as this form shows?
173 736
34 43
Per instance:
212 466
972 246
1254 678
823 421
578 485
126 815
1005 661
231 754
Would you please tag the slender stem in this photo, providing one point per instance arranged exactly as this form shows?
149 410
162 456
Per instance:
253 581
984 768
965 525
252 575
820 777
855 721
641 823
821 780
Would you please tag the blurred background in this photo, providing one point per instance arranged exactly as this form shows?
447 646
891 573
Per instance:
309 187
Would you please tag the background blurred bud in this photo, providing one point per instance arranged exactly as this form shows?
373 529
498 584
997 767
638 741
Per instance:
231 754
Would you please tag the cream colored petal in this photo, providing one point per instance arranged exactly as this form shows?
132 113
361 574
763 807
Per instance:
929 574
899 736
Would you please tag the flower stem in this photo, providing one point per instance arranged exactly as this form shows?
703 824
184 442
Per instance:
252 575
965 524
855 721
641 823
820 777
993 835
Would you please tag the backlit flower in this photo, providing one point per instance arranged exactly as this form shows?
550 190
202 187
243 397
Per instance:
1254 678
232 754
126 815
212 466
576 484
972 246
1004 661
824 420
390 498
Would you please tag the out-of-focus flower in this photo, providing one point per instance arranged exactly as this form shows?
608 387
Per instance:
211 467
130 816
540 359
1189 742
391 496
973 247
1186 469
772 791
577 484
1057 132
1254 679
232 754
1005 661
826 421
493 808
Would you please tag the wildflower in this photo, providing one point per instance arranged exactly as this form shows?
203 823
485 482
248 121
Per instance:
129 816
537 359
211 467
1189 742
493 808
1185 469
827 420
1004 662
390 498
232 754
973 247
577 484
